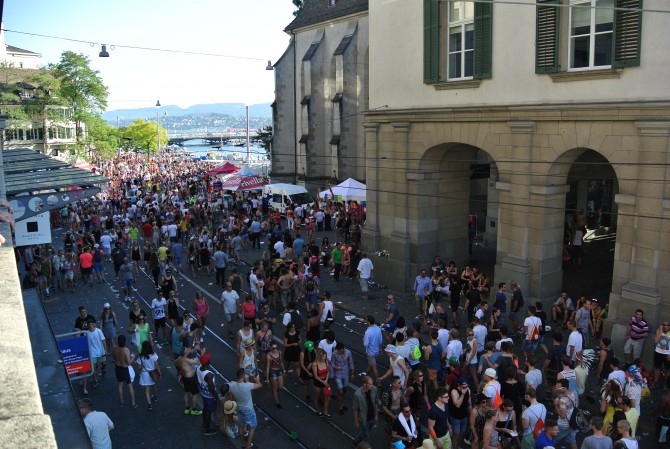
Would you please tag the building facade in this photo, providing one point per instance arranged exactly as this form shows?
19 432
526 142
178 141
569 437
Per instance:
321 91
523 116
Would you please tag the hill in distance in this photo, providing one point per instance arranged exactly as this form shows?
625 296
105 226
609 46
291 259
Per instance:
233 109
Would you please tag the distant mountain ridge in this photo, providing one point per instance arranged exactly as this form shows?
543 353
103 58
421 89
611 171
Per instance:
232 109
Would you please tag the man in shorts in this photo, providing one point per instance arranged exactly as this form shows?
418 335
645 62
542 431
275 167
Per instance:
343 368
230 306
123 370
365 269
185 367
638 330
158 310
241 392
96 344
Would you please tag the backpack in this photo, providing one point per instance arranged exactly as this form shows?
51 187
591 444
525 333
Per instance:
497 400
416 353
329 318
539 424
310 285
296 320
535 333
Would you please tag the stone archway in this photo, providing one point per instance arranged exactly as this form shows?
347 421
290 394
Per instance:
454 181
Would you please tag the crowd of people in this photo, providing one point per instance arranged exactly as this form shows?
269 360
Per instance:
465 384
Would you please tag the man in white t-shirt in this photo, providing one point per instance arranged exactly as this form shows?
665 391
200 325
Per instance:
575 341
532 327
365 269
96 344
230 306
158 306
492 386
480 332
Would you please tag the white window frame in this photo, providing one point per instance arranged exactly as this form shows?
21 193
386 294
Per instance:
592 37
462 24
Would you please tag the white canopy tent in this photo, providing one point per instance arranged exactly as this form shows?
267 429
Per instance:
349 190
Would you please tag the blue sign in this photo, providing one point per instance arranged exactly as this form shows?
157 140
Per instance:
218 185
75 354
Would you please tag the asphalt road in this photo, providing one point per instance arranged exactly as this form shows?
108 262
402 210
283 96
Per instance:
166 425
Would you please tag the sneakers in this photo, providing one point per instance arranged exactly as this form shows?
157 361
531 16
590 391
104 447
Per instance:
154 398
187 411
195 411
211 431
85 392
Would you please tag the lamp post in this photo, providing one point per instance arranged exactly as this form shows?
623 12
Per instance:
158 129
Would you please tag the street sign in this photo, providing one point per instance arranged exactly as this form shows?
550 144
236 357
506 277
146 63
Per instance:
76 356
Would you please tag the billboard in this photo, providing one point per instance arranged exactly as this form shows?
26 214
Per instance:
76 357
33 231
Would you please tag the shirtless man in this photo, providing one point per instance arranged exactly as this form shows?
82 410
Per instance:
285 284
184 366
122 360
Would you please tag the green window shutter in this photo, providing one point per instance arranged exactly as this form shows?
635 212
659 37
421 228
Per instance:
431 41
483 39
627 33
547 27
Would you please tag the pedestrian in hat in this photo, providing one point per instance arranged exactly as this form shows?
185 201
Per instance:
228 420
492 387
210 397
397 366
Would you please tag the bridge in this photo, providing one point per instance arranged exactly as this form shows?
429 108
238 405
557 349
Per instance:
212 137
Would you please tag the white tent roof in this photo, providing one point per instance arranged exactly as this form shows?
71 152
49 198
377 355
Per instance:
349 190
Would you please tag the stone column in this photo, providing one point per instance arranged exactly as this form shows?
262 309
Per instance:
373 195
641 225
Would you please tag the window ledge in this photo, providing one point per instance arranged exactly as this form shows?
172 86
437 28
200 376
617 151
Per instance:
469 84
585 75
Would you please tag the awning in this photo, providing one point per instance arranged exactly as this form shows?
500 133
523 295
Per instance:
32 180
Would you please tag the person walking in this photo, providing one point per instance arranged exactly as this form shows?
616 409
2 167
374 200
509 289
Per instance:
150 373
210 397
274 372
422 288
186 364
123 370
343 372
241 392
364 409
365 270
98 425
439 427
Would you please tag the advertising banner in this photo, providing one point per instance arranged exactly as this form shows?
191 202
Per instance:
75 354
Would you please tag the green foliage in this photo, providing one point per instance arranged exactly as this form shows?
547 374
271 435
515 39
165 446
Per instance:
79 84
102 138
265 136
298 4
141 135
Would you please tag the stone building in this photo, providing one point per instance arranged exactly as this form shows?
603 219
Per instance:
522 116
321 91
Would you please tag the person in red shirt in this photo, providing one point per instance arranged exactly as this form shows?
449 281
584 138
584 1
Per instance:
147 230
86 265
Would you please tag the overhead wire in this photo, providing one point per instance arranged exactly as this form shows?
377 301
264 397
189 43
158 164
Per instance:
136 47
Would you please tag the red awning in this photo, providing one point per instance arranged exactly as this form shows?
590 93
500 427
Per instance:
224 169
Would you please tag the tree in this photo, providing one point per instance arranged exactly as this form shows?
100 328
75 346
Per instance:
79 84
102 137
299 4
142 135
265 136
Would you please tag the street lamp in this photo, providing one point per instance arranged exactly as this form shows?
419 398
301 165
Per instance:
158 130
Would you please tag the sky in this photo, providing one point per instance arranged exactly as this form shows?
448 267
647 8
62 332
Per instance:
138 78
